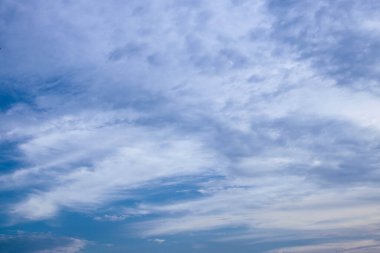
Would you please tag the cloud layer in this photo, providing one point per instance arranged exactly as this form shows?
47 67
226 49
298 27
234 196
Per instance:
262 118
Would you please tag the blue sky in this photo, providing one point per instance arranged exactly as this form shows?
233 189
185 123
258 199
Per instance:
190 126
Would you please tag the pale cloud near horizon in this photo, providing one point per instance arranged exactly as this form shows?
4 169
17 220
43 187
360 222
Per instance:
40 243
369 246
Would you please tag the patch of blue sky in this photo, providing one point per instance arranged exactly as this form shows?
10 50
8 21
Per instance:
10 157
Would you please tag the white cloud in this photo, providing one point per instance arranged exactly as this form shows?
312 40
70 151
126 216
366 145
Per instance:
360 108
158 240
75 246
41 243
114 157
359 246
125 94
295 205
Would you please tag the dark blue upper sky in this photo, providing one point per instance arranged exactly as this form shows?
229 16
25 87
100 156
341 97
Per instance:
190 126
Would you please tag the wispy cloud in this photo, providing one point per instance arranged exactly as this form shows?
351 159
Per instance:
40 243
91 164
352 246
273 104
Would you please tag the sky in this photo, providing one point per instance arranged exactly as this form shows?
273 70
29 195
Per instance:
190 126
